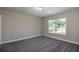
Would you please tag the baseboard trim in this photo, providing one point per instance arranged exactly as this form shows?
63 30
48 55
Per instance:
20 39
73 42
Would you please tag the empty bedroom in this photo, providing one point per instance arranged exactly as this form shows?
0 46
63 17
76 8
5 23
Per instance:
39 29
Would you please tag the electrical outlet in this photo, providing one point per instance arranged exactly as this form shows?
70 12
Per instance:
73 37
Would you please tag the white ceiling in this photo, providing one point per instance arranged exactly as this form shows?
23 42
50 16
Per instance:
46 11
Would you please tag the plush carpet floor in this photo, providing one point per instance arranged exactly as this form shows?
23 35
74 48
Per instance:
39 44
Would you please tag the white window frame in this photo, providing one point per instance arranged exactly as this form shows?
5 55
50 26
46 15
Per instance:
63 32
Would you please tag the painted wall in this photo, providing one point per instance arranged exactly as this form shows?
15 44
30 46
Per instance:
17 25
72 25
0 26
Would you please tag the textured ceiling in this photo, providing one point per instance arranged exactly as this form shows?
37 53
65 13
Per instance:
46 11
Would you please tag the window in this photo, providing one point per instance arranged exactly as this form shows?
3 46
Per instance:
57 26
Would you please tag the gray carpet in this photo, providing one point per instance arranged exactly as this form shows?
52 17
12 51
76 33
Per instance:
39 44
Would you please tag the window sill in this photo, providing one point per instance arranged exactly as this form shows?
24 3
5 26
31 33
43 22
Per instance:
57 34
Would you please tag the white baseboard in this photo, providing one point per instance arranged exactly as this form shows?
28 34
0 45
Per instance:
77 43
20 39
40 35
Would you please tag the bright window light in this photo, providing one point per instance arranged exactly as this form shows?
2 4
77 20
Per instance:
57 26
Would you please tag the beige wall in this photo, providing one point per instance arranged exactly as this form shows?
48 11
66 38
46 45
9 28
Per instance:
0 26
72 26
0 29
17 25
